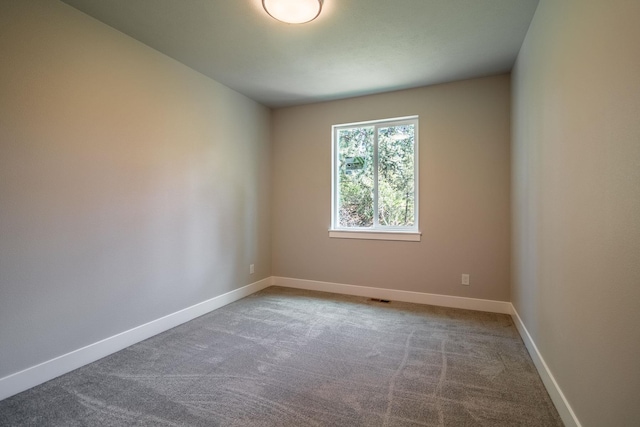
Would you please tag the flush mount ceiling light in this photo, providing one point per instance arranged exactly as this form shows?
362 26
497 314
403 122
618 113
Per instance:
293 11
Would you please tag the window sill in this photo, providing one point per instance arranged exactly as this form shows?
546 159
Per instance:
404 236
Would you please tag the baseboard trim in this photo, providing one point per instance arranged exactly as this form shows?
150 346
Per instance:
567 415
396 295
559 400
38 374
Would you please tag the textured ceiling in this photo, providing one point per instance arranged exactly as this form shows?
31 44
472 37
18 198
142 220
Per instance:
355 47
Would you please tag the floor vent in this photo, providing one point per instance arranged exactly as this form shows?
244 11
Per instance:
380 300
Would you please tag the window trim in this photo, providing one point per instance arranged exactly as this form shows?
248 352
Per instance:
376 232
366 234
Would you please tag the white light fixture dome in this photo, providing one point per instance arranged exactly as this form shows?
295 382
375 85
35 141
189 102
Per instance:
293 11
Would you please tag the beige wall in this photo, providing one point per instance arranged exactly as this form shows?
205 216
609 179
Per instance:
130 186
464 193
576 181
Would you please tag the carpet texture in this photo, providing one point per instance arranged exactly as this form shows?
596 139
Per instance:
286 357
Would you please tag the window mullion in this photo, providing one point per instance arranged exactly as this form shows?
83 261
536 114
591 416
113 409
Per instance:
376 223
335 179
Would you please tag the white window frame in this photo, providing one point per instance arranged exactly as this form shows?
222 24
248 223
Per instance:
377 231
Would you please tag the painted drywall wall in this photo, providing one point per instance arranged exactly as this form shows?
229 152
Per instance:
130 186
464 193
576 194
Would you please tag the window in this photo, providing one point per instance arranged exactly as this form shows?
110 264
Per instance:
375 180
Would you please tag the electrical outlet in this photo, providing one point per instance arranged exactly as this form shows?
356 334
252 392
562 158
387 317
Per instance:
251 269
465 279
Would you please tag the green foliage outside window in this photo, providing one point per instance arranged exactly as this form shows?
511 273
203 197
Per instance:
395 176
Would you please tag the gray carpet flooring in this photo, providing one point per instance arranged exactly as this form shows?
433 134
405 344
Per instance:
286 357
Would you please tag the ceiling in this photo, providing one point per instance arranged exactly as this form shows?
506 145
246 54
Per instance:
355 47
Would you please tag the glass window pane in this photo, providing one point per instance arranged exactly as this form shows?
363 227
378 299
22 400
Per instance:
355 177
395 176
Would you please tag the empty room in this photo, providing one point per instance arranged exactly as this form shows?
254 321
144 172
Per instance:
319 213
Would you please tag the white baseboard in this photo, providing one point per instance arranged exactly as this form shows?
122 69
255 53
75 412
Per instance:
38 374
559 400
396 295
562 405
